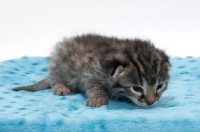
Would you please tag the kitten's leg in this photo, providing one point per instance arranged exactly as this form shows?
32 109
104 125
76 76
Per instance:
60 89
96 101
96 97
56 82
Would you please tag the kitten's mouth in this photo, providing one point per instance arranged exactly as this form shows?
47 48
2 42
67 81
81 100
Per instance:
141 104
144 104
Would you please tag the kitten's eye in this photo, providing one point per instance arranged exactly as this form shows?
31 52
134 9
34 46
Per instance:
159 86
137 89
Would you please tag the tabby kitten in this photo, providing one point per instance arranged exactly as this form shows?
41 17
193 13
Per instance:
103 67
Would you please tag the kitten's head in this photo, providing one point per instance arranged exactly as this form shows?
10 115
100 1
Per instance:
145 78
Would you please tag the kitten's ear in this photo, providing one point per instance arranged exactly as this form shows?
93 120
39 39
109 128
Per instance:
117 71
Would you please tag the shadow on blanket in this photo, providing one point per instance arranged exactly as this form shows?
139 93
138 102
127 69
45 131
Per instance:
177 110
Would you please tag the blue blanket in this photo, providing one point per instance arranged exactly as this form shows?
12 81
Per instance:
177 110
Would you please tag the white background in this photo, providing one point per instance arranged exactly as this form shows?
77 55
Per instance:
32 27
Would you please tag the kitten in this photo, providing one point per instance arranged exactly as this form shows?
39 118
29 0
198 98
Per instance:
103 67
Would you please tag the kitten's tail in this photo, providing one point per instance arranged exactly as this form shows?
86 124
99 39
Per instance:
42 84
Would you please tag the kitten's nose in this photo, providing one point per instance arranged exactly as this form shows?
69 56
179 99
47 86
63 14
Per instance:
149 102
150 96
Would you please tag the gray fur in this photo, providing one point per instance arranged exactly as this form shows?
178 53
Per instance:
103 67
42 84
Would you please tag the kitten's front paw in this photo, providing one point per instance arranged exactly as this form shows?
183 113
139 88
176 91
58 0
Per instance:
60 89
97 101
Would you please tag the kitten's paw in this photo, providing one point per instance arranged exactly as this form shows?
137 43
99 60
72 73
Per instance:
60 89
96 101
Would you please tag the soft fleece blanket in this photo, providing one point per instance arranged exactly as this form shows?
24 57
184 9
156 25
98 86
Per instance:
178 109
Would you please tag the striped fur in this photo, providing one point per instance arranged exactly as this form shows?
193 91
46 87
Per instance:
103 67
